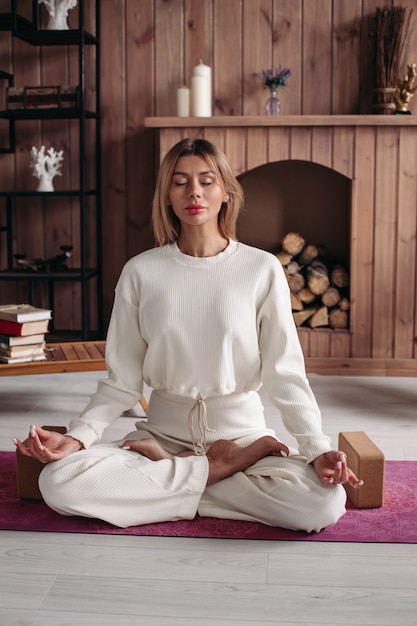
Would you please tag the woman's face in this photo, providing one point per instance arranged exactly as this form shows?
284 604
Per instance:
195 194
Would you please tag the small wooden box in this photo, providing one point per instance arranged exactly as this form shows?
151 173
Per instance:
56 97
28 470
368 463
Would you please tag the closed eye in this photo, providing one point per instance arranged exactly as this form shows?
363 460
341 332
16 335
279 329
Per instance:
181 181
205 178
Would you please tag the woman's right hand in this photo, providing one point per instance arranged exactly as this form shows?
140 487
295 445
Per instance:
47 446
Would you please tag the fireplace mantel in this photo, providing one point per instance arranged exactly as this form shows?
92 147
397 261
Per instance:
378 156
262 121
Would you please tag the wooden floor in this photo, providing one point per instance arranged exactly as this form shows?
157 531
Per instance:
49 579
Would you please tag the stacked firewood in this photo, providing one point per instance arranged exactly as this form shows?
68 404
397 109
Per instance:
319 286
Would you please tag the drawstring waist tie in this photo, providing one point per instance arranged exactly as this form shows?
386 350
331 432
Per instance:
199 411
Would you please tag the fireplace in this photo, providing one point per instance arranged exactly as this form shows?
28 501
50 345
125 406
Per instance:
296 196
312 201
346 181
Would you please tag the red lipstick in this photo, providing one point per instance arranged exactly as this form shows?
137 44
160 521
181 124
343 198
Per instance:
194 209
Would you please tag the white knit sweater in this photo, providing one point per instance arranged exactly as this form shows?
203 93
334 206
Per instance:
204 327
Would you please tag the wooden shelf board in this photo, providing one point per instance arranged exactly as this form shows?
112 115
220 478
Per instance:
280 120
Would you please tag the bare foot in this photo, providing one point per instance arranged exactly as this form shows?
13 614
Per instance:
152 449
186 453
149 448
227 458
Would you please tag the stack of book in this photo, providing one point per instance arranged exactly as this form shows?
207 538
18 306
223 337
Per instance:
22 333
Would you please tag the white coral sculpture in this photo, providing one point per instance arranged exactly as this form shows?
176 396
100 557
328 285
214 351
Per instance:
58 13
46 166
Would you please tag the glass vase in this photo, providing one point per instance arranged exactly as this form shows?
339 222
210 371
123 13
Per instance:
273 105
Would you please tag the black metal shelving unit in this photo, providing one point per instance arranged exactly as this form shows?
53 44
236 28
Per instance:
7 77
28 30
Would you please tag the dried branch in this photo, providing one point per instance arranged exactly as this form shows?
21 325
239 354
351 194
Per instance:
390 28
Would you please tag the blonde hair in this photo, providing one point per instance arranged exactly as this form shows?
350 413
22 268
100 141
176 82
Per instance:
166 225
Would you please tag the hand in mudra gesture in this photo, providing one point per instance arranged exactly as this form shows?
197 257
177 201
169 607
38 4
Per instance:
47 446
332 469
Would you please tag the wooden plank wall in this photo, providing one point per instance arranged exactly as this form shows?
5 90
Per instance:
148 49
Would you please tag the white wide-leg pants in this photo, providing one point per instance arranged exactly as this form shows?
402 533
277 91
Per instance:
127 489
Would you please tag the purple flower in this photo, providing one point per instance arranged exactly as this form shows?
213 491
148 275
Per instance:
278 79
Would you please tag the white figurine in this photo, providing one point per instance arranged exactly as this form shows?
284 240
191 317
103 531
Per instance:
58 13
46 166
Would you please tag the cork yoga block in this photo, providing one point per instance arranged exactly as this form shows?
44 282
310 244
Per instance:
28 470
368 463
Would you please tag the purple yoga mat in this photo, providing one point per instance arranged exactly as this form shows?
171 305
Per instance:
395 522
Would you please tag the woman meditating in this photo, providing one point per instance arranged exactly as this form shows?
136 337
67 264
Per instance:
205 321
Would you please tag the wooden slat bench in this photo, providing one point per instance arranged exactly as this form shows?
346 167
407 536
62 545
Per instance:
81 356
87 356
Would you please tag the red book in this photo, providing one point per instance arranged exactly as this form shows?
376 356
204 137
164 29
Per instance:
21 329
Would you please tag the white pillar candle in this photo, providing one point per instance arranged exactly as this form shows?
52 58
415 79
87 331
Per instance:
183 102
202 70
201 91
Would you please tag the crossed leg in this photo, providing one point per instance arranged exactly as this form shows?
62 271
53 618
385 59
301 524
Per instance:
225 457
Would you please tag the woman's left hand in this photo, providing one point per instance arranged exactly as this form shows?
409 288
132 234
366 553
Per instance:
332 469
